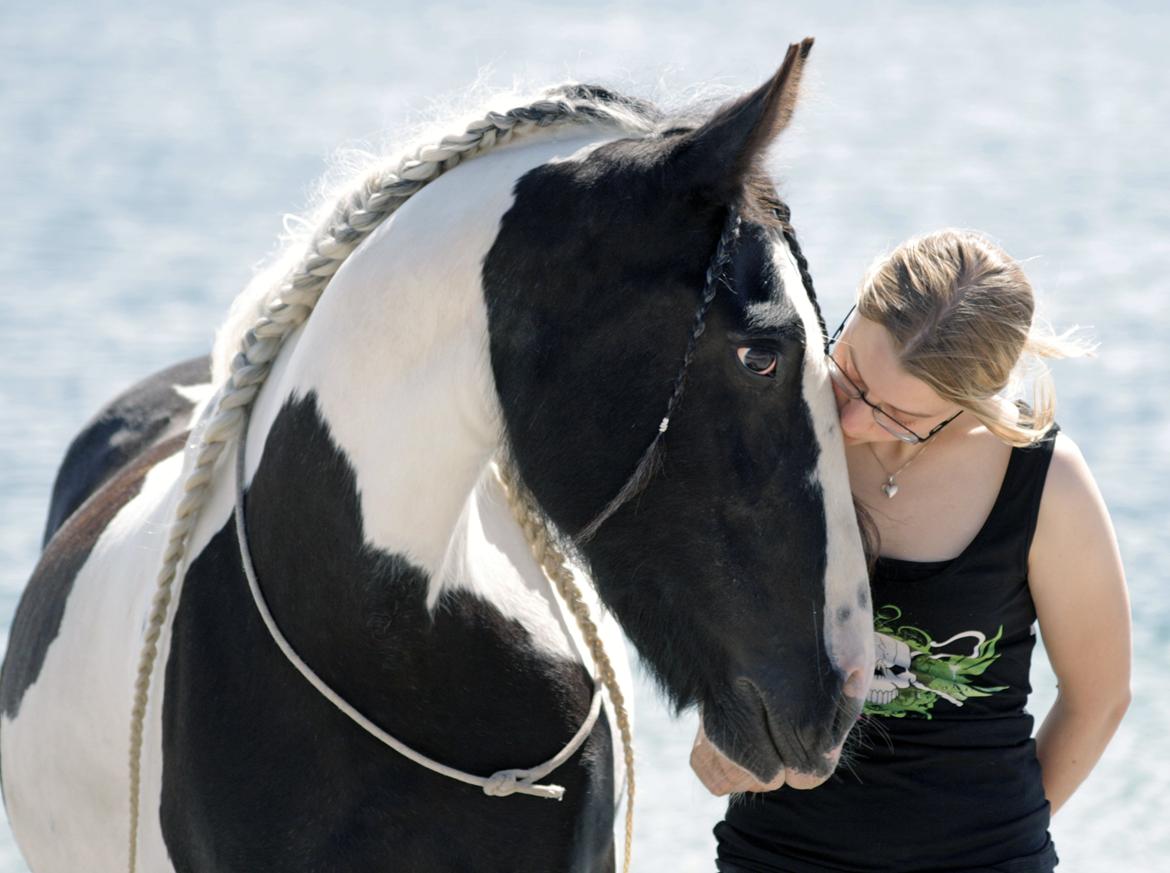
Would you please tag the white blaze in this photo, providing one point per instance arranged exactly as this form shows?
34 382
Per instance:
848 618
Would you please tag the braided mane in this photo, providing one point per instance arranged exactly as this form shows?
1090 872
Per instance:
317 244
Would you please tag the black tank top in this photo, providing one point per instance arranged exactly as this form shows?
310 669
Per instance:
943 773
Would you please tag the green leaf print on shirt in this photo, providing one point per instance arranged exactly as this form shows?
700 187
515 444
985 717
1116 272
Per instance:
911 675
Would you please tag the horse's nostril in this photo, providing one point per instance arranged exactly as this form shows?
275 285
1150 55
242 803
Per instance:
857 683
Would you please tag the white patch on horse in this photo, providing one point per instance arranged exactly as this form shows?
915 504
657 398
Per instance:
89 671
849 640
198 395
490 557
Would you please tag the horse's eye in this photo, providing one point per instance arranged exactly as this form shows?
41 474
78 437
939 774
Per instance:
762 362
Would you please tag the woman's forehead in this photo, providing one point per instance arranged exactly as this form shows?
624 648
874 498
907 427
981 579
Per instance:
870 351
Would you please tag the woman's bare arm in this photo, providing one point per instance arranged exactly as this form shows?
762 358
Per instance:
1078 586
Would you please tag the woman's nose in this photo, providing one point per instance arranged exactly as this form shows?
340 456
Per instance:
854 414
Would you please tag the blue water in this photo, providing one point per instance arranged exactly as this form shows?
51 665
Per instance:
148 154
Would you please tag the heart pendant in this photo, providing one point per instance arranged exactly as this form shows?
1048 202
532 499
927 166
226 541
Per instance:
890 488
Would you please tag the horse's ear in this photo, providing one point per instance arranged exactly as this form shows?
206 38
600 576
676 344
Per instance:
717 156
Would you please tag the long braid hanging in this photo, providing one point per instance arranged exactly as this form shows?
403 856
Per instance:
552 560
378 196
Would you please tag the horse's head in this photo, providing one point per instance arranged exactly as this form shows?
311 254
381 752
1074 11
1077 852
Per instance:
733 558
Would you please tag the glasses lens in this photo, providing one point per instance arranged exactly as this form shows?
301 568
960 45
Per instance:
899 430
843 382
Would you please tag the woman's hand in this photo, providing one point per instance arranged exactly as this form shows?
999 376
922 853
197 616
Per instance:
720 774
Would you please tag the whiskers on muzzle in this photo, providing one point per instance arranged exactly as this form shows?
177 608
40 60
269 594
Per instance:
804 739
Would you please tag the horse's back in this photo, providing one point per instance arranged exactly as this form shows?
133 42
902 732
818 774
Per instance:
67 676
150 412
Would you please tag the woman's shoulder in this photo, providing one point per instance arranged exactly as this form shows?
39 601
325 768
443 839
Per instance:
1073 519
1069 479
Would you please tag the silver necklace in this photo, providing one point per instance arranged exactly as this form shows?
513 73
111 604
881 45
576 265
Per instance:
890 487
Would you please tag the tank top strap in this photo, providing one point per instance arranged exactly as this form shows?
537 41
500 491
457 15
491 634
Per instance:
1017 508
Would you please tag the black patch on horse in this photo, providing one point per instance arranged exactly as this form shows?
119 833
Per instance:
261 773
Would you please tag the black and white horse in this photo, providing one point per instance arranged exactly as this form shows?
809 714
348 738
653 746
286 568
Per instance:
610 299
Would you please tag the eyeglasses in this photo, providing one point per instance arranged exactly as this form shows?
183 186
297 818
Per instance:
849 388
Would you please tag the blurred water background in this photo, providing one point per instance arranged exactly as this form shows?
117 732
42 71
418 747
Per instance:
149 152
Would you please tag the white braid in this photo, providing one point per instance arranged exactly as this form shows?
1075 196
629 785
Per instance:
285 305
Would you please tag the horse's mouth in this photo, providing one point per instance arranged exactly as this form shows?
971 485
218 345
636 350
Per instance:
748 734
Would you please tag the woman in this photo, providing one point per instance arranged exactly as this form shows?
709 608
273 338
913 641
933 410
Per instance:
987 520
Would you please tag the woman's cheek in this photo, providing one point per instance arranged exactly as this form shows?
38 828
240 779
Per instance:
840 399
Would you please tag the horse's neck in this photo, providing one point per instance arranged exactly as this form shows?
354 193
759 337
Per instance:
385 634
395 362
396 355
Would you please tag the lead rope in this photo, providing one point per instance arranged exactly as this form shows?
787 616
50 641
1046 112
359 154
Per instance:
552 560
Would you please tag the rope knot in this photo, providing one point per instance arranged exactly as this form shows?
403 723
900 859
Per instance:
504 783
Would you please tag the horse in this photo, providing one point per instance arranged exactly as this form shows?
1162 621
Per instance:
580 326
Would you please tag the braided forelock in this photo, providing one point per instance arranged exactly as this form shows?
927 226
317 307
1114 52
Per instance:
807 280
780 214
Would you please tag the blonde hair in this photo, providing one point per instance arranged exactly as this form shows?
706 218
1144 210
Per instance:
962 316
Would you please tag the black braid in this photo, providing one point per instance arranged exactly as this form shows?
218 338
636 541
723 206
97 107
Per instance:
783 213
806 278
648 463
714 278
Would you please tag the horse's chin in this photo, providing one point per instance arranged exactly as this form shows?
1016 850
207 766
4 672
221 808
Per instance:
748 747
803 781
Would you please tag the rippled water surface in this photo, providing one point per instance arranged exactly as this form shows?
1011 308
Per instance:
148 156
